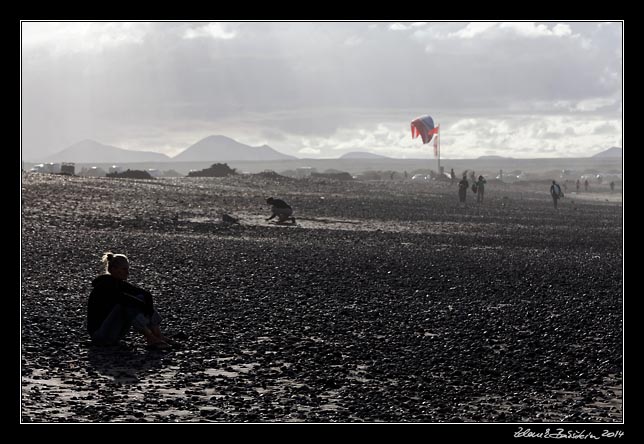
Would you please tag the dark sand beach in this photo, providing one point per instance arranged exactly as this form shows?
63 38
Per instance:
386 302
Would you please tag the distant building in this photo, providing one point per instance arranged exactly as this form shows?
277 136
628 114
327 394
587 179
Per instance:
51 167
68 168
304 171
93 172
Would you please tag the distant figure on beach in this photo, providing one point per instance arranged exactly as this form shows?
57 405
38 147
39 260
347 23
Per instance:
612 186
586 185
473 176
463 185
480 189
406 174
114 306
281 209
555 192
578 184
452 176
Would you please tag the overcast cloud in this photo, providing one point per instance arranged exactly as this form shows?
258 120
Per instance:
321 89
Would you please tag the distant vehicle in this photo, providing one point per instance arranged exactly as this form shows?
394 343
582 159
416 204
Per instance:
588 177
419 177
512 176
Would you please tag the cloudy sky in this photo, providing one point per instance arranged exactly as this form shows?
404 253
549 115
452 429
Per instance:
321 89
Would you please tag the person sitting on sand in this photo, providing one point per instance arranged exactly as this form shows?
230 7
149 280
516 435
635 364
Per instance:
115 305
281 209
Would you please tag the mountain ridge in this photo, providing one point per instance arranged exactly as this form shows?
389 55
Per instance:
218 148
214 148
362 155
613 151
91 151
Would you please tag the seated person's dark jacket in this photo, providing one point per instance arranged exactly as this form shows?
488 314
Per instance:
109 292
279 203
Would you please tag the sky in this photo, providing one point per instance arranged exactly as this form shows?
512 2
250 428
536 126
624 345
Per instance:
322 89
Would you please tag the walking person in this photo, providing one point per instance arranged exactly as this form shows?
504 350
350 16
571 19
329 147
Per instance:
480 189
555 192
463 185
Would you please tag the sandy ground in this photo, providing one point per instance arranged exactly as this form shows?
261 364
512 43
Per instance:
386 302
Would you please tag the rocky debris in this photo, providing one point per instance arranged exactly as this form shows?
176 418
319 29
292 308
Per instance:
227 219
421 312
130 174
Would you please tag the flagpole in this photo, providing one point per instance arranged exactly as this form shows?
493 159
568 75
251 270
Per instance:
437 147
438 135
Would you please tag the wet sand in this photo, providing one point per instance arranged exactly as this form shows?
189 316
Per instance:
386 302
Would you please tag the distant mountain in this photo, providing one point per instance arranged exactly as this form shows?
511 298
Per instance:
90 151
221 149
493 158
610 152
362 155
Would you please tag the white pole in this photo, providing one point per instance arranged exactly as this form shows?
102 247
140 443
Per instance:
439 149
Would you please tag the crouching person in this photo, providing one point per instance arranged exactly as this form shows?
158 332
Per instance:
281 209
115 306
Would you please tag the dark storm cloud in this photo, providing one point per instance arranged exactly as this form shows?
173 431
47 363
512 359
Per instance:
305 79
